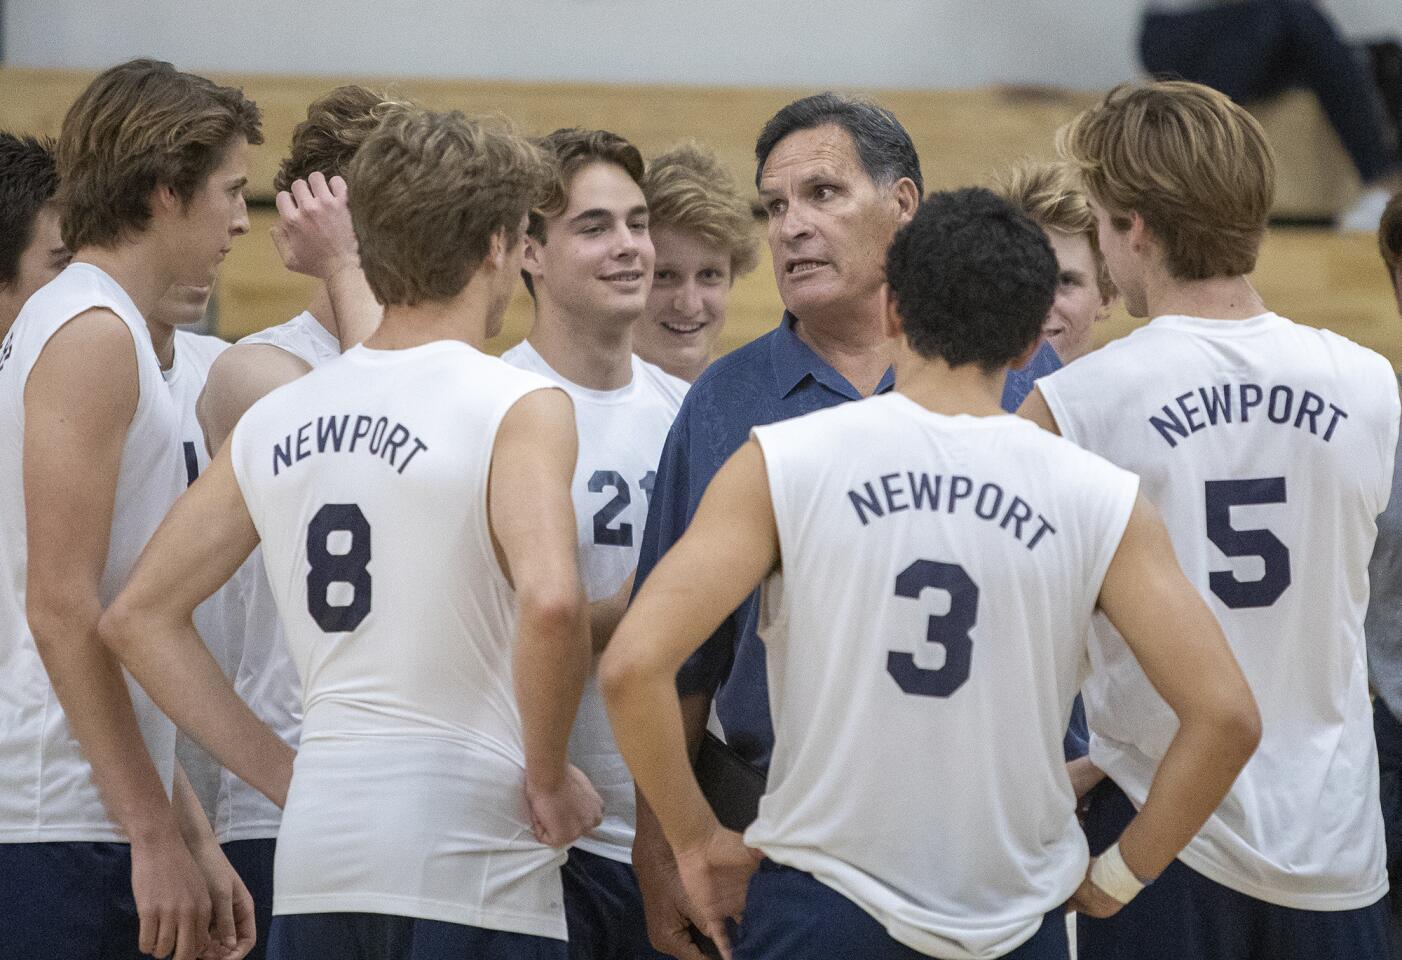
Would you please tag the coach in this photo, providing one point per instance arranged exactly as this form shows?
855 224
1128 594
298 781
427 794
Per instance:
836 177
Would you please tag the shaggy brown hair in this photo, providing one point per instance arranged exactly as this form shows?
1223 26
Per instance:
336 125
688 190
140 125
1192 163
431 190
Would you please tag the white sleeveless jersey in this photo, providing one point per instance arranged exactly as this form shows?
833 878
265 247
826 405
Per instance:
194 353
925 638
261 669
367 482
46 787
1268 447
621 433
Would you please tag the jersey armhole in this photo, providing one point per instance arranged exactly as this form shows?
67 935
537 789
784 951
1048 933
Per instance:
494 428
1121 507
1065 425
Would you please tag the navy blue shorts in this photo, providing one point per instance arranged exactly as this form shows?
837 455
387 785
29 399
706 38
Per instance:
69 900
377 936
252 860
604 909
790 915
1185 916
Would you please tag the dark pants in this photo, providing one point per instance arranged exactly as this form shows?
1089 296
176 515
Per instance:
1389 736
1255 49
375 936
1185 916
252 860
790 915
69 900
604 910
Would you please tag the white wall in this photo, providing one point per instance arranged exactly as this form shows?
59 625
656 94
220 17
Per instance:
844 43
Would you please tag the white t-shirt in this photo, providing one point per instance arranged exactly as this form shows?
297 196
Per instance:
194 353
621 433
46 786
1268 447
260 668
367 482
925 638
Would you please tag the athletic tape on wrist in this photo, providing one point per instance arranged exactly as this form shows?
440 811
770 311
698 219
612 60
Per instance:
1114 878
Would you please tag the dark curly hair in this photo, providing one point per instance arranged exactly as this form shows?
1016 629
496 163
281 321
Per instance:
972 279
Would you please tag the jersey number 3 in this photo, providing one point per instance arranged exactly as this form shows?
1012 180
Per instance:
949 630
346 566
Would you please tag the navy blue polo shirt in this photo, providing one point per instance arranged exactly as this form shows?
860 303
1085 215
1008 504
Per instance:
772 378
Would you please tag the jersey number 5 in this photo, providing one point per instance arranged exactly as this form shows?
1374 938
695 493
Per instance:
1222 495
949 630
344 566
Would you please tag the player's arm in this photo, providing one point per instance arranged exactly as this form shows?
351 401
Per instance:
149 626
533 526
731 545
231 925
314 236
79 401
666 906
606 614
240 377
1180 646
1035 408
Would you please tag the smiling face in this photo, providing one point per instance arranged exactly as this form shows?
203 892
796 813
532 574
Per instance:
829 224
202 231
597 258
686 308
1078 302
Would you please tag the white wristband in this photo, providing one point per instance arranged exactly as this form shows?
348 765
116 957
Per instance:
1114 878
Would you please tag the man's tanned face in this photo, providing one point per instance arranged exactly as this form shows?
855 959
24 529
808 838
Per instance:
829 223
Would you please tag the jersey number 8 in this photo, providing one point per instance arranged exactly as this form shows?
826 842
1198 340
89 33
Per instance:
347 566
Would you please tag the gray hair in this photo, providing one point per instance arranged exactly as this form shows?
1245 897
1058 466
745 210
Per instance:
883 146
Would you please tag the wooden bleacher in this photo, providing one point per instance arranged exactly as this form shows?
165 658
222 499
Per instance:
1314 276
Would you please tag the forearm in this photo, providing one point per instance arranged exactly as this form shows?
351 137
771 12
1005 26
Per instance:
357 311
551 666
194 825
167 657
606 614
656 736
1196 772
98 709
696 709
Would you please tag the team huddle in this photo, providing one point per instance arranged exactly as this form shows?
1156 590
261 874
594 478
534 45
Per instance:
895 633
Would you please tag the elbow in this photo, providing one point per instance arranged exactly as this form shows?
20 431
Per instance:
1236 723
118 626
552 609
626 667
56 615
1245 727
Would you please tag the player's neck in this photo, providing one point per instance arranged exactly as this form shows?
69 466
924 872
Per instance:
1220 298
855 348
595 353
163 339
951 391
136 266
462 318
